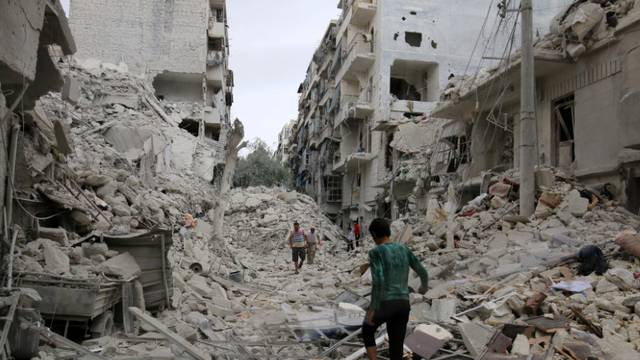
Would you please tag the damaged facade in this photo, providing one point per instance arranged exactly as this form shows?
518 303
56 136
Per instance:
182 45
587 76
380 64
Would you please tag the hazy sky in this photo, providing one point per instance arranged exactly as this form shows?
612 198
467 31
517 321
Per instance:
271 46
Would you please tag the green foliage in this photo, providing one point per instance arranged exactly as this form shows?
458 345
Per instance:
260 168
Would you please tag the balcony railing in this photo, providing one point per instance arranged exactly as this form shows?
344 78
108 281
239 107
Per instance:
363 11
216 29
215 57
358 57
353 108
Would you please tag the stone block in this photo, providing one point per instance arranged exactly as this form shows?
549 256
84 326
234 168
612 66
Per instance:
123 265
475 337
56 261
71 90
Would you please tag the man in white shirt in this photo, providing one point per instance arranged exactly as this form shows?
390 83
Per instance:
313 242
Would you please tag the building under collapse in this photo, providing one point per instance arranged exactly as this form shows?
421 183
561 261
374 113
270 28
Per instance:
587 103
380 64
182 45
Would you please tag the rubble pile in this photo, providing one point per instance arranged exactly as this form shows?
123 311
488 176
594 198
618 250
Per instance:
568 274
580 27
242 288
260 218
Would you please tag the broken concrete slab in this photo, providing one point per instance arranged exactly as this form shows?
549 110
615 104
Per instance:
475 337
123 265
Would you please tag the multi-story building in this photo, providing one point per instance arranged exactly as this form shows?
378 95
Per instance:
381 61
282 152
182 45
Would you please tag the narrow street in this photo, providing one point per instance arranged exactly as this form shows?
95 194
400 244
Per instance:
140 221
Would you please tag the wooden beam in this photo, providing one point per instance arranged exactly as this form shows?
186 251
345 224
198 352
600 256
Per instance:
174 338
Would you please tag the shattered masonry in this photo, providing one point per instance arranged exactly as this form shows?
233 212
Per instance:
380 64
112 243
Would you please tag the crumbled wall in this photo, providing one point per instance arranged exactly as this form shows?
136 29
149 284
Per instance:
166 35
19 37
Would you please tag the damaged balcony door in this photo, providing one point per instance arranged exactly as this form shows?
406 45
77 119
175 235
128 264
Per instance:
563 127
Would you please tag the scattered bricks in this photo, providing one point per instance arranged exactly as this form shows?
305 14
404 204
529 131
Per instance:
532 306
500 189
552 200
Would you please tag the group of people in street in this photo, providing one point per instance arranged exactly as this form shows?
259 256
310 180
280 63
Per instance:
302 244
389 264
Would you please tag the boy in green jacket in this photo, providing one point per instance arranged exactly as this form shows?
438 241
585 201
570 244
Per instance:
389 263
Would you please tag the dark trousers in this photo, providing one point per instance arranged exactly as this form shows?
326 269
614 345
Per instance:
350 246
394 313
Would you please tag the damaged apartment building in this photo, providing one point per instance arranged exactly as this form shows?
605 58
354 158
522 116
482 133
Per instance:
587 71
383 63
100 161
182 45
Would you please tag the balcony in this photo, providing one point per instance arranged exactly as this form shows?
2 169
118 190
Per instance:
215 76
363 11
212 117
215 58
353 162
409 106
216 29
354 110
328 94
327 133
358 58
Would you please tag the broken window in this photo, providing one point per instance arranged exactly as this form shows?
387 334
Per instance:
564 121
388 153
212 132
172 86
333 186
413 38
192 126
403 90
216 44
414 80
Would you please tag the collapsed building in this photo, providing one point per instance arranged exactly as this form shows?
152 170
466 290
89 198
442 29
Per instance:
111 240
282 151
379 63
182 45
587 92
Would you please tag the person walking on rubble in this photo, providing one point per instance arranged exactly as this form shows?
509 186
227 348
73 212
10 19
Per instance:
351 238
357 231
389 263
298 242
313 241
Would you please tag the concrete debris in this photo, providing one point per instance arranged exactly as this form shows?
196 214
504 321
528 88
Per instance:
123 265
576 30
55 260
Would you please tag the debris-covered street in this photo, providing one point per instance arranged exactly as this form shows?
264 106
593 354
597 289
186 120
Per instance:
127 234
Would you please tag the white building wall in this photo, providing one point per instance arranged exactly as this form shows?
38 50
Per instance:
449 31
148 35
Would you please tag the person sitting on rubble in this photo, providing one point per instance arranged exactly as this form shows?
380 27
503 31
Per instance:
389 263
314 241
298 242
